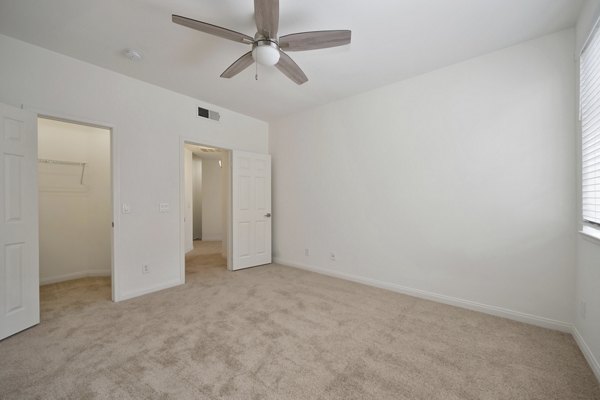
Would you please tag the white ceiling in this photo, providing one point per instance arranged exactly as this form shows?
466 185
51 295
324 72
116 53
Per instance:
392 40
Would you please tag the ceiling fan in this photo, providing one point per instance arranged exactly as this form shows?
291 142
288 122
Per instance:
267 48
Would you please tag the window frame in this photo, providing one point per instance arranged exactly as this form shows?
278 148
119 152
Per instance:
588 228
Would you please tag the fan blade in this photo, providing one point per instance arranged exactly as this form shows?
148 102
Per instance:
238 66
266 14
212 29
314 40
290 69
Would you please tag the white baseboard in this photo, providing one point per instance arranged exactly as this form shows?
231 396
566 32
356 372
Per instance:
440 298
74 275
587 352
136 293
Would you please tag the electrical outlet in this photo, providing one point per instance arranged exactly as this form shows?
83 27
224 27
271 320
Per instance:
307 252
583 308
332 256
145 269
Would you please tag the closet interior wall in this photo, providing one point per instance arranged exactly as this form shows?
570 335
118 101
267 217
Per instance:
74 202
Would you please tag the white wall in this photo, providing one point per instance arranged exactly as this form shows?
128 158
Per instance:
75 219
149 124
588 290
212 200
464 189
587 329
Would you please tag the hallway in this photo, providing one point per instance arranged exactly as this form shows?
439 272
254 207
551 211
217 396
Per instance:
206 255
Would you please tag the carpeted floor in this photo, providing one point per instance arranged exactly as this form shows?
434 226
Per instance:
275 332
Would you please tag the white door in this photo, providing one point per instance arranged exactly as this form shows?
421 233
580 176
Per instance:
19 254
188 218
251 209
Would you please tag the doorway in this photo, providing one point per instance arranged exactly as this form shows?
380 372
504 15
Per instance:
75 205
246 186
206 207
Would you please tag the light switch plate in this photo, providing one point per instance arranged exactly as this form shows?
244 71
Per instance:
126 208
163 207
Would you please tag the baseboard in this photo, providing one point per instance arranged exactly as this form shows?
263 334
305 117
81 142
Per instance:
75 275
440 298
162 286
587 352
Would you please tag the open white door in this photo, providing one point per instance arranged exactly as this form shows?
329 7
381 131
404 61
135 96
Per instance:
188 218
19 256
251 209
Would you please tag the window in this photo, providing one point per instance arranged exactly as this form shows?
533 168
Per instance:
590 128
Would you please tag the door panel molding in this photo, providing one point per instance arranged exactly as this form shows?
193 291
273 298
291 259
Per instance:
19 260
251 209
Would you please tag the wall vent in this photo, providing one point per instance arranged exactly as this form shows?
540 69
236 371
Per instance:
210 114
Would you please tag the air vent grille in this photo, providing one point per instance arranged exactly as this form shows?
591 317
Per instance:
210 114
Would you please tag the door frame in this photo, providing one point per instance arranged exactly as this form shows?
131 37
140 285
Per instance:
228 206
114 172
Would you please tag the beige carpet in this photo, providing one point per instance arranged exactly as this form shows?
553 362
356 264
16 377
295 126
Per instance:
280 333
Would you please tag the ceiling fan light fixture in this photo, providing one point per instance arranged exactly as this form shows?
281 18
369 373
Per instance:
266 53
266 44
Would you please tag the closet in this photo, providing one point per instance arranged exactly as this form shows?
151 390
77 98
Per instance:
74 181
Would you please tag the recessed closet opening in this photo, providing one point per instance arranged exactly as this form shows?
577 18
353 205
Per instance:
75 205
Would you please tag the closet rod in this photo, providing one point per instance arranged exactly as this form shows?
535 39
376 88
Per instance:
81 164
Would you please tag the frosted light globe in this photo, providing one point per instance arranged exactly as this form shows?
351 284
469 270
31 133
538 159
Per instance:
266 54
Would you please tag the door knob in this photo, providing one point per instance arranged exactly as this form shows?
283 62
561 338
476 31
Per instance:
268 215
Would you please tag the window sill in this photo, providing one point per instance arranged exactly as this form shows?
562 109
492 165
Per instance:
591 234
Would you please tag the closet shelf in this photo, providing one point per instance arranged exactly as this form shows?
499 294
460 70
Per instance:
59 162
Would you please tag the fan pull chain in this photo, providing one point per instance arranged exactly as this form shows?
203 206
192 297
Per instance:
256 73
